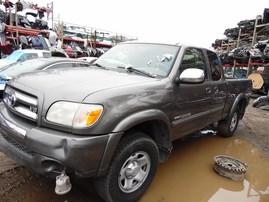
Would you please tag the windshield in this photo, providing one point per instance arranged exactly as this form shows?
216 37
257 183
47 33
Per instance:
21 67
14 56
154 59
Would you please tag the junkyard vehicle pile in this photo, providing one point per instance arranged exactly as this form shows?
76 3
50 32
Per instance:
245 52
25 25
249 40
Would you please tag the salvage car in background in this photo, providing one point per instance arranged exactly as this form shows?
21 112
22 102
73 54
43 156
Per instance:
15 69
24 54
261 102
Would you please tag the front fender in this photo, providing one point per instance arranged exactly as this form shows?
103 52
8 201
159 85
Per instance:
126 124
140 117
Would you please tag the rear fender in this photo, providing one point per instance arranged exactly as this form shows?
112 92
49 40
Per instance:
241 101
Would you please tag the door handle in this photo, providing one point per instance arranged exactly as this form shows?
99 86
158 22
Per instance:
208 90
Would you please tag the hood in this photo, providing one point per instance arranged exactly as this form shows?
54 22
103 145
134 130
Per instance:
76 84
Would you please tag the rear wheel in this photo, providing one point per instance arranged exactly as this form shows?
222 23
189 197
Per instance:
132 169
227 127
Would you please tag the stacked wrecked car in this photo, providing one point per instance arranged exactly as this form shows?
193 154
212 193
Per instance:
245 51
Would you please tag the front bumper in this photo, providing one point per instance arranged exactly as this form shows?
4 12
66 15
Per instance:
49 151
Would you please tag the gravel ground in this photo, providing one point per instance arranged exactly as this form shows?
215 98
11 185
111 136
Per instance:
255 125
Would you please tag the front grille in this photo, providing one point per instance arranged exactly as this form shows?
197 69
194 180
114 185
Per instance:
18 146
20 103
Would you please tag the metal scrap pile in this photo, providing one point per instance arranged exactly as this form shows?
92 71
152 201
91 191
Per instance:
248 41
245 52
24 15
25 25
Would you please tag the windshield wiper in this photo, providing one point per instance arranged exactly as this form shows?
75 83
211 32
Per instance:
98 65
138 71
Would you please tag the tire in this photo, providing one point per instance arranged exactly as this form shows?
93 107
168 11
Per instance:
230 167
131 171
227 127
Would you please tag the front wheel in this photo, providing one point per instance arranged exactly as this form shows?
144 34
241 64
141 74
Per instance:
132 169
227 127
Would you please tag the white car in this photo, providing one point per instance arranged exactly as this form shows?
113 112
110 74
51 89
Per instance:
24 54
36 64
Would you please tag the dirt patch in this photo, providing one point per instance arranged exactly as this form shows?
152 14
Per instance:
6 163
23 185
255 127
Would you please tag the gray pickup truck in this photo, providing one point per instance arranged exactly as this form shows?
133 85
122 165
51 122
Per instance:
116 121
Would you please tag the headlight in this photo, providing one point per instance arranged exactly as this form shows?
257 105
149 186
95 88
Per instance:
74 114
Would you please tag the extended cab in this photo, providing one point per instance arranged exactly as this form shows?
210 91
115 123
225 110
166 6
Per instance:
117 120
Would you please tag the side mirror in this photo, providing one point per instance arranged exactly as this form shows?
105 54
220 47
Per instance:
192 76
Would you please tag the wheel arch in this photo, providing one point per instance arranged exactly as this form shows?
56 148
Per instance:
153 123
240 103
159 132
140 117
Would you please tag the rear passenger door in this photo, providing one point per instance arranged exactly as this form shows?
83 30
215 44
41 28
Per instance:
192 102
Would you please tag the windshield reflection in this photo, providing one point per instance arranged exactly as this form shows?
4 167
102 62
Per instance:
154 59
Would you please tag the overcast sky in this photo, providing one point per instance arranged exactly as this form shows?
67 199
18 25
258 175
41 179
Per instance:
196 21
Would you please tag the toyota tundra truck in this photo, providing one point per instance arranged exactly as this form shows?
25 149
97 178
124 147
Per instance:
116 120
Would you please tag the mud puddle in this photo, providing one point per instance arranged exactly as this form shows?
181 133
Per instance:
187 176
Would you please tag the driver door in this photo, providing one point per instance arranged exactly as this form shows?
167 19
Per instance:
191 102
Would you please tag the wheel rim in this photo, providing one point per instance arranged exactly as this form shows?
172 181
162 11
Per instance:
233 121
134 172
230 167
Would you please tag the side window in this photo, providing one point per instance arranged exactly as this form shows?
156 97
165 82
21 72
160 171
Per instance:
193 58
215 66
22 57
68 64
31 55
46 54
60 65
81 65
